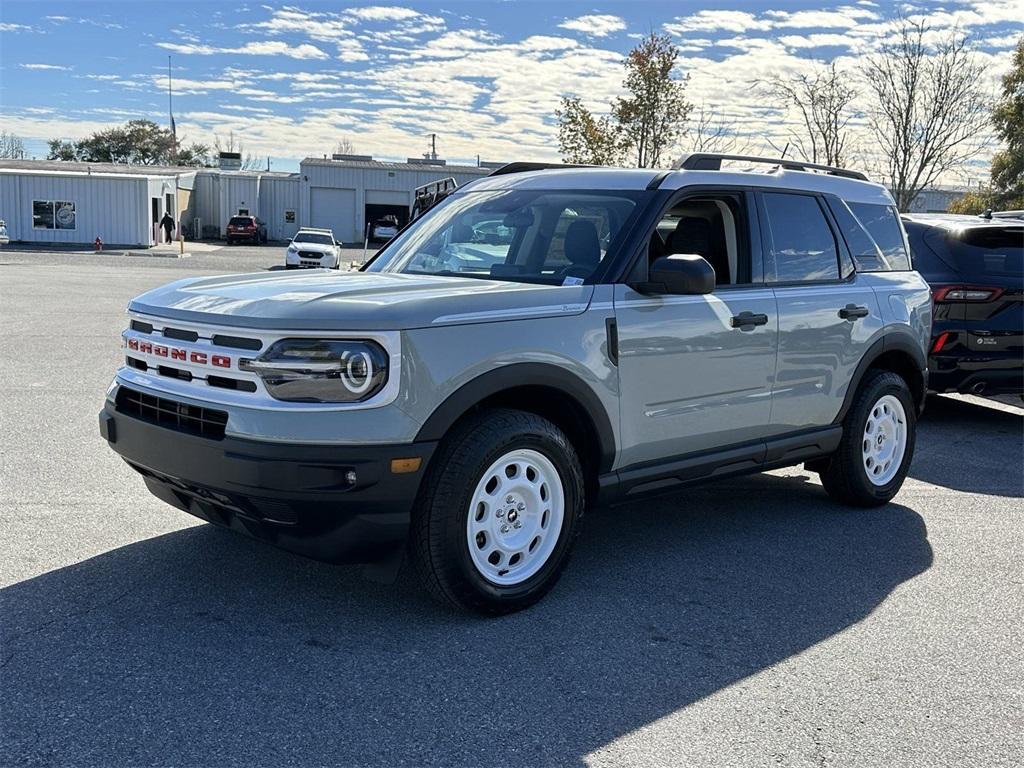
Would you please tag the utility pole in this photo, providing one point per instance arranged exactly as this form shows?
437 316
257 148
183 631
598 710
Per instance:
170 111
433 146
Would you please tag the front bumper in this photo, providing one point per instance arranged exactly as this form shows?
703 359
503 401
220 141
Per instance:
297 497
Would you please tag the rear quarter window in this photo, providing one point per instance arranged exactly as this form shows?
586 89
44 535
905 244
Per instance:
882 223
989 251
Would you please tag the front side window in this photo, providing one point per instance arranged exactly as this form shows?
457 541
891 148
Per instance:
802 246
546 236
883 224
53 214
711 227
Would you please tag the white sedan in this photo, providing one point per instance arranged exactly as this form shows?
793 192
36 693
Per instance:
313 248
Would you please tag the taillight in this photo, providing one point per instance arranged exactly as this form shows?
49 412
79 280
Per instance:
940 342
971 293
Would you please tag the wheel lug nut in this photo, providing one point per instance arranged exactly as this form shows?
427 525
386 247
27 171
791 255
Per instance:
518 524
510 499
500 513
504 529
521 506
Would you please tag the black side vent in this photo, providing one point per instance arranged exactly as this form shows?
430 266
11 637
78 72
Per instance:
180 335
238 342
175 373
225 383
141 327
133 362
193 419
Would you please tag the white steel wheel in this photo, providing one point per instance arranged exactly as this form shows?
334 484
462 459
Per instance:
515 517
885 440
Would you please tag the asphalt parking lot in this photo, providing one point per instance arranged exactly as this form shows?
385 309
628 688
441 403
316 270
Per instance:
749 622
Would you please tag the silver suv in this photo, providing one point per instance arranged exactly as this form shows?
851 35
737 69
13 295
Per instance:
541 341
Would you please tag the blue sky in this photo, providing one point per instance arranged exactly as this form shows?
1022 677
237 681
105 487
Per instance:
290 80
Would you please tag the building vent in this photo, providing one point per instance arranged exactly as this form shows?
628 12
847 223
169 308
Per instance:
426 161
230 161
354 158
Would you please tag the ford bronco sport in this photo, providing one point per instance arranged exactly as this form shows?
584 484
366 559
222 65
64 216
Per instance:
463 398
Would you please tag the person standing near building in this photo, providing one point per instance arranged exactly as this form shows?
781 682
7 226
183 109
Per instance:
167 222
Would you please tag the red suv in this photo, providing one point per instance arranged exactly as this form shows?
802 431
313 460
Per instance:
250 228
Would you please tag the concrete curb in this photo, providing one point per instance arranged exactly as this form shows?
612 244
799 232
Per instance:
157 254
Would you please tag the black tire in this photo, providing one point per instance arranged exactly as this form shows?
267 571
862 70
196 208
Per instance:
438 543
844 475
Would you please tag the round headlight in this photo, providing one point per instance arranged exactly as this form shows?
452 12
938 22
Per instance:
321 370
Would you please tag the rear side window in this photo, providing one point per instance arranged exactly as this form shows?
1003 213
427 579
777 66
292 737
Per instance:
802 246
883 224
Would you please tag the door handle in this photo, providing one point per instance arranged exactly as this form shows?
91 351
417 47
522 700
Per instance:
749 320
852 312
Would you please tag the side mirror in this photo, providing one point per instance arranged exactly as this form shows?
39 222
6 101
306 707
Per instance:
679 274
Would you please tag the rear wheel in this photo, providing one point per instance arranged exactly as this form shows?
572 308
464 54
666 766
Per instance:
498 513
877 446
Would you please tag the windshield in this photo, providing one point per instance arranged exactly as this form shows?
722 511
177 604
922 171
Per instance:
241 221
313 237
556 237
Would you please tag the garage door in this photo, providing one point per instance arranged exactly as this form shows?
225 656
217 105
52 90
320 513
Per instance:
334 209
387 197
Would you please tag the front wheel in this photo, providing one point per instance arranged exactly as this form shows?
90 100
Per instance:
498 513
875 452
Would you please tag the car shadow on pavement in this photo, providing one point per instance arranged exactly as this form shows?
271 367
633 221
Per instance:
200 647
971 447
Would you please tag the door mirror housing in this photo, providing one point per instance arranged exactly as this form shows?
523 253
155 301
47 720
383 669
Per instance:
679 274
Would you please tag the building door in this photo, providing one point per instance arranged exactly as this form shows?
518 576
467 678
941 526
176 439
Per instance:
154 225
334 209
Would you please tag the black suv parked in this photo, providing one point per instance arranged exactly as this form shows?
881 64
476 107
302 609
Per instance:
975 267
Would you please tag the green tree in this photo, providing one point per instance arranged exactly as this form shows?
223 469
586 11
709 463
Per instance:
1008 119
61 150
585 139
653 114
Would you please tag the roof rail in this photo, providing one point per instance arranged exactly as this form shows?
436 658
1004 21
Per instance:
712 161
524 167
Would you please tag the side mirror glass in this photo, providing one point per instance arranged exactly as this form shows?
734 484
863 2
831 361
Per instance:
679 274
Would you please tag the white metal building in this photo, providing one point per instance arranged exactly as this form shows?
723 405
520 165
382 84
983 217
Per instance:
56 202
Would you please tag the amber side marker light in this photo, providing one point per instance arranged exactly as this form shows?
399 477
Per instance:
404 466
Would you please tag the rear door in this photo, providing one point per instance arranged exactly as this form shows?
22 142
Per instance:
828 316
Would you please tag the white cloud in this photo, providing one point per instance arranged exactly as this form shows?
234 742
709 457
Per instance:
260 48
56 67
708 21
595 25
7 27
383 13
818 40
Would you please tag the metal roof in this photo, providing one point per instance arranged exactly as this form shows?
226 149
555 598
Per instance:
410 167
122 169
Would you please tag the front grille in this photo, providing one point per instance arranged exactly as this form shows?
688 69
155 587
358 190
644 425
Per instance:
193 419
310 255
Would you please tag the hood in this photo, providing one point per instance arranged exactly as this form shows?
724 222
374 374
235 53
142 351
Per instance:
357 301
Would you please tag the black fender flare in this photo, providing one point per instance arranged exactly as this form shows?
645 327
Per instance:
903 341
473 392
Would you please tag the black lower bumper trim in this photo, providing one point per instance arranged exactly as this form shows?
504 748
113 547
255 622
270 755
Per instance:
337 503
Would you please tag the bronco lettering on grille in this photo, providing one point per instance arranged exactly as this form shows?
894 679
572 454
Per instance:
176 353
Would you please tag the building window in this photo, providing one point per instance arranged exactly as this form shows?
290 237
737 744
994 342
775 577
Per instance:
289 216
53 214
243 211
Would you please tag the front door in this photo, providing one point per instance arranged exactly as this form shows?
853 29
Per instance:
696 372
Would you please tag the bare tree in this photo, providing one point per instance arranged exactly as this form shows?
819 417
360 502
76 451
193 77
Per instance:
823 102
11 146
250 162
927 107
710 131
345 146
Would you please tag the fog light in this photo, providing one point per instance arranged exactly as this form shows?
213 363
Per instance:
350 477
